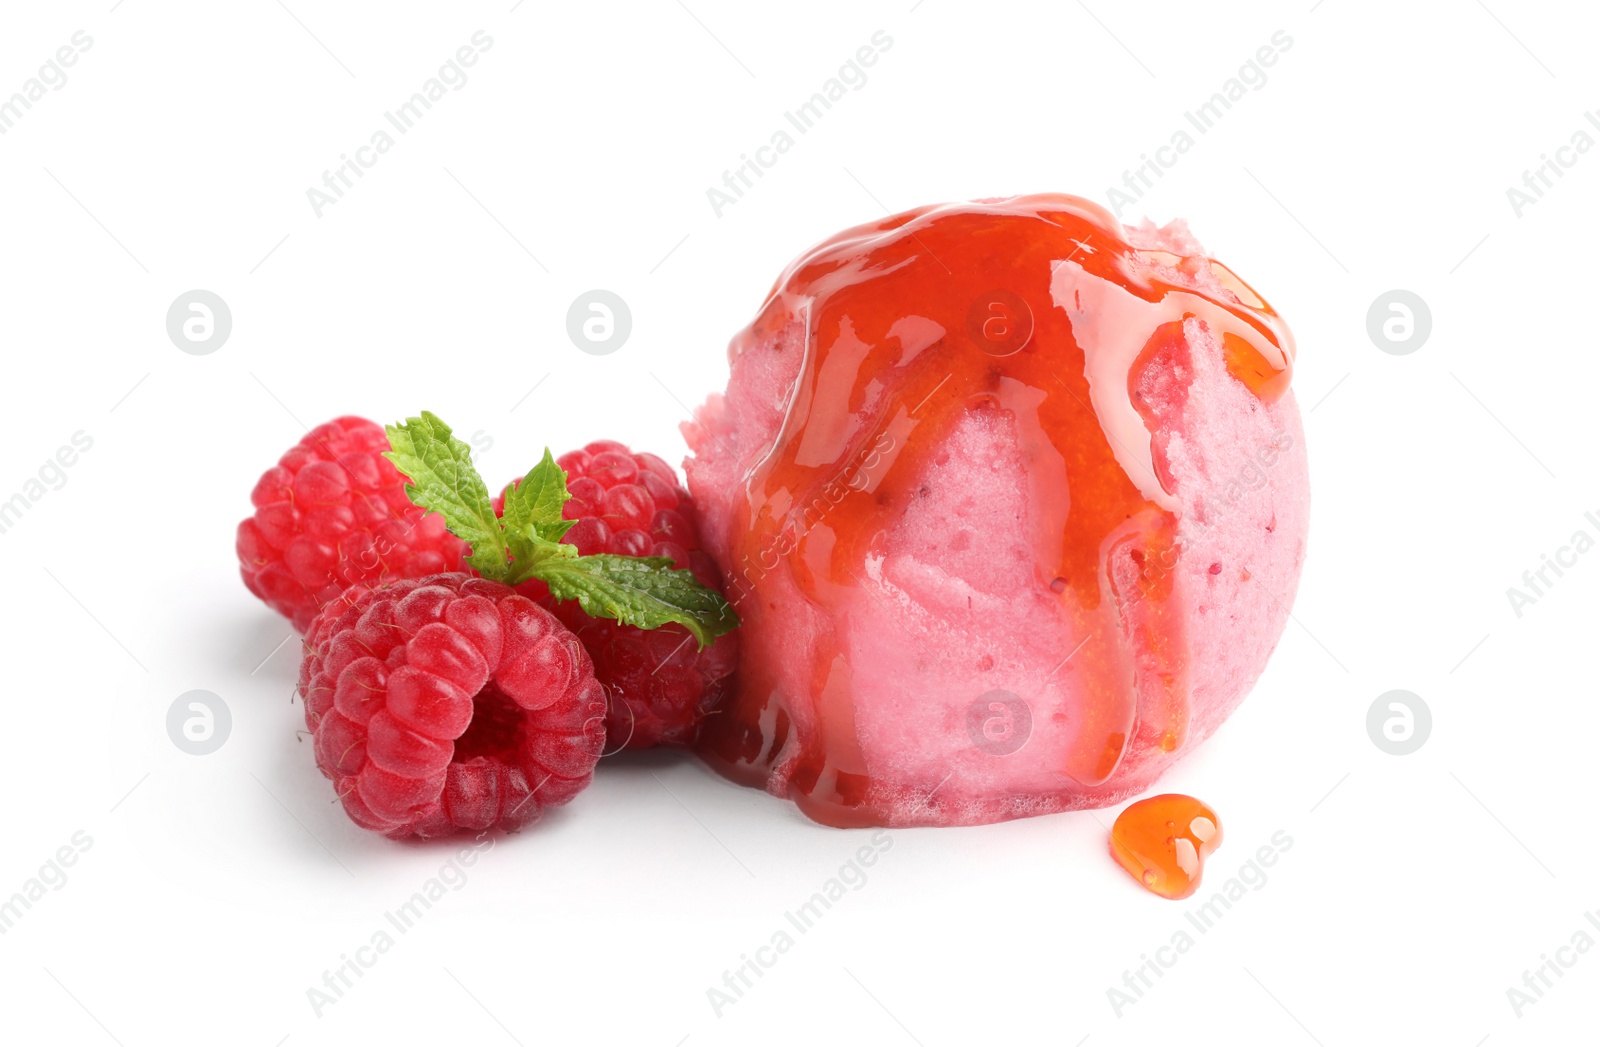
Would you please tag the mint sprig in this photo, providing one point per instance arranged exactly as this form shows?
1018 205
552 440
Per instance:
525 543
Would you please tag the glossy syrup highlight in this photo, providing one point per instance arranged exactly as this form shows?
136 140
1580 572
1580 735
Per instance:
1163 842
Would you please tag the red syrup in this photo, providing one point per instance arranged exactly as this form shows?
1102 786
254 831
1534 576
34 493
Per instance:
1163 841
1036 306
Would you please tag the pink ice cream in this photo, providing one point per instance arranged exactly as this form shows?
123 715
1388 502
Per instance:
1012 501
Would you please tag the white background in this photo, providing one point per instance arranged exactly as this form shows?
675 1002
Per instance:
218 889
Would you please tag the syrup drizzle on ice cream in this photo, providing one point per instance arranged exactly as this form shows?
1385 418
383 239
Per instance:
1036 307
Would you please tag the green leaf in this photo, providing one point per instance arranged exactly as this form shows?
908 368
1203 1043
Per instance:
526 543
444 481
643 591
529 549
537 501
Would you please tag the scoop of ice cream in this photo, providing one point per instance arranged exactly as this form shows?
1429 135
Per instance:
1012 501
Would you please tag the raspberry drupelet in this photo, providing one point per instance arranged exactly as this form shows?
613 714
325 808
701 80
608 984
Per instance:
333 513
449 703
659 683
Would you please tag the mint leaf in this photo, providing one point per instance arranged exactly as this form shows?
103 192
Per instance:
532 518
538 500
643 591
443 481
529 549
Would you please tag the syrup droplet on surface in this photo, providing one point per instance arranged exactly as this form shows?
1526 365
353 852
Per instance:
1163 841
1036 307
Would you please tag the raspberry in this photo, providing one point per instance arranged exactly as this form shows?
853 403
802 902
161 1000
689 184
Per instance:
659 684
449 703
333 512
